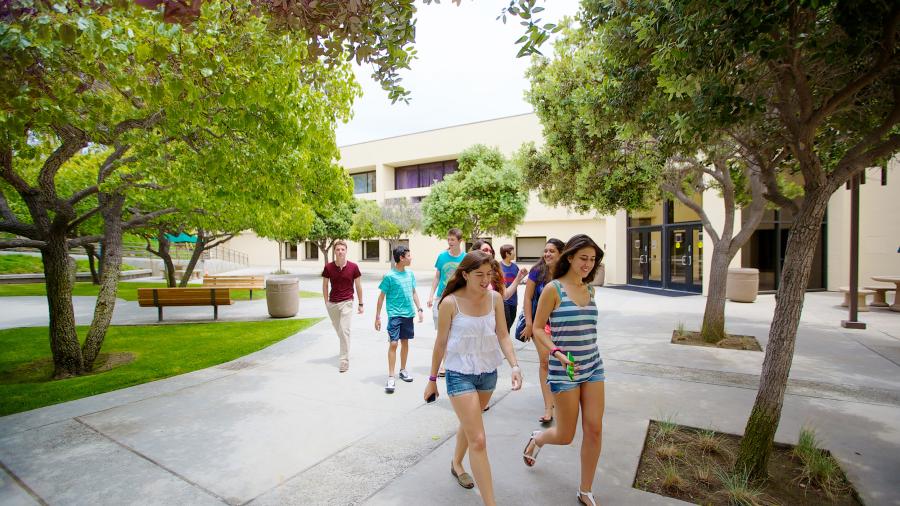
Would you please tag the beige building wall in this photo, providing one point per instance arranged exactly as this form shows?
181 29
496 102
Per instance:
879 229
880 207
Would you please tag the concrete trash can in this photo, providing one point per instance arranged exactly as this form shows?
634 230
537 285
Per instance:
742 284
282 297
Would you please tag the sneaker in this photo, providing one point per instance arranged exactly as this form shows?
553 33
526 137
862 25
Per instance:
390 386
405 376
344 366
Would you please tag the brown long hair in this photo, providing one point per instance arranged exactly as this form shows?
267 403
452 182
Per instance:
576 243
541 266
473 260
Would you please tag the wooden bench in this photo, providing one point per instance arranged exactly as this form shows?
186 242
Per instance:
236 282
880 297
162 297
861 297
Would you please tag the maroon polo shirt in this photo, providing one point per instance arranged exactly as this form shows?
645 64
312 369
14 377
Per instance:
341 280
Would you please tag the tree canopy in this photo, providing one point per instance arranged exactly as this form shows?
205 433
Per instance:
485 196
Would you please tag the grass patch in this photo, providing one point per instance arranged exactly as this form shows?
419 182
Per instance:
127 290
134 354
31 264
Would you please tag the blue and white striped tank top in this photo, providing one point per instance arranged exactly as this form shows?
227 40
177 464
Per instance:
573 329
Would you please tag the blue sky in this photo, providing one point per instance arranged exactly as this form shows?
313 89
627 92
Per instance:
466 71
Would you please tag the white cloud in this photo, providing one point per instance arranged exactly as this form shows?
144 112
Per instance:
466 71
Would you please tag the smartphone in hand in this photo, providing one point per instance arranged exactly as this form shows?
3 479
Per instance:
431 398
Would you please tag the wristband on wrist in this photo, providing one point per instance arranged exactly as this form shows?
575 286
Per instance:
554 350
432 378
516 368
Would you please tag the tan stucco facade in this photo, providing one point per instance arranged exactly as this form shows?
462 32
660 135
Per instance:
879 237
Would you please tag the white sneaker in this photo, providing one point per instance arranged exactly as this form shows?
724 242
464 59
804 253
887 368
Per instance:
390 386
405 376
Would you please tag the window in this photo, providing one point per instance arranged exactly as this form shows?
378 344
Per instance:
423 175
310 250
530 249
290 251
363 182
370 250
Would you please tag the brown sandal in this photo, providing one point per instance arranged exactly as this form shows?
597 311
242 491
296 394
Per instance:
464 480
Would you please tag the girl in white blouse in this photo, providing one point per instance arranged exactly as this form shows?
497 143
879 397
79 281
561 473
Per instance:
473 335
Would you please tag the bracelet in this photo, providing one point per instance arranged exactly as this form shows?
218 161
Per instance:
419 310
554 350
432 378
515 368
378 317
360 303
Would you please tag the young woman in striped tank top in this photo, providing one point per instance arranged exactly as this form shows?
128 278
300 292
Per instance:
568 301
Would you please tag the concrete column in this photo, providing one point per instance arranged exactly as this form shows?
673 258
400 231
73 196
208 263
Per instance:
616 248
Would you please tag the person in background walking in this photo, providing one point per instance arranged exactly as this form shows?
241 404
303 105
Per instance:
474 341
444 267
398 287
538 277
568 303
508 290
343 275
512 276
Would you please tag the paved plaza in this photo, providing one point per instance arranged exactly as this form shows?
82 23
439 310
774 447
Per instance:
282 426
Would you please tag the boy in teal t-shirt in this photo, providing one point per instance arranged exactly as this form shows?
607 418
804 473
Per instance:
399 288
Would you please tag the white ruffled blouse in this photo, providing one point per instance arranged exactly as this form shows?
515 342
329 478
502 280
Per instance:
472 346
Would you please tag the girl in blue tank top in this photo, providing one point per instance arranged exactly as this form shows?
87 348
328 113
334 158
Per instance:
568 303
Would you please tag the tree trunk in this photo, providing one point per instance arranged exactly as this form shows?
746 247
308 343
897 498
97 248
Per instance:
713 329
59 276
92 255
280 256
109 279
197 252
759 434
165 252
324 247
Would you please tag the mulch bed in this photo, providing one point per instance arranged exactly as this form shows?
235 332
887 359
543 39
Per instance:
732 342
689 463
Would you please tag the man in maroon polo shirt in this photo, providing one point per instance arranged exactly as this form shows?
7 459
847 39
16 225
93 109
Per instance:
342 274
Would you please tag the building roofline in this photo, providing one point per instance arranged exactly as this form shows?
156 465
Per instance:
436 129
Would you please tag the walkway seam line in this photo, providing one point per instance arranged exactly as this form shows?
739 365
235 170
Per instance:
24 486
150 460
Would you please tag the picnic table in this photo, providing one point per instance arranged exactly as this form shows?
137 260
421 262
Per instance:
896 281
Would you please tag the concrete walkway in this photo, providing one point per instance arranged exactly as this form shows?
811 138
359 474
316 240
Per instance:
282 426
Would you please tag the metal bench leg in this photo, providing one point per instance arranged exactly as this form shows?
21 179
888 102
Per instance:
251 294
215 312
159 309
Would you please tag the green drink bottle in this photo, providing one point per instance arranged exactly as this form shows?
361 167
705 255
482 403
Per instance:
570 369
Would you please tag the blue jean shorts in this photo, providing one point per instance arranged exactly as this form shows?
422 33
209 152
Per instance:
564 386
400 327
459 383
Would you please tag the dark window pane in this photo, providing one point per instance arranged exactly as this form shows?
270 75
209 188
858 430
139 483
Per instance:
406 177
430 173
363 182
450 166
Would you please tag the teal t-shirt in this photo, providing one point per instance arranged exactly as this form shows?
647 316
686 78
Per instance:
446 264
398 291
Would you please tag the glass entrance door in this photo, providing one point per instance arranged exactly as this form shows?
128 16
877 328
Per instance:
645 258
685 247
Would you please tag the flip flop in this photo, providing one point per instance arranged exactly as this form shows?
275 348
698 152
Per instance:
545 421
537 449
464 480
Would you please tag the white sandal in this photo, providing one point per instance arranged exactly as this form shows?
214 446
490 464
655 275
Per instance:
589 495
537 449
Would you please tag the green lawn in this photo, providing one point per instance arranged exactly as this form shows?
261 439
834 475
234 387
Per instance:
127 290
30 264
159 351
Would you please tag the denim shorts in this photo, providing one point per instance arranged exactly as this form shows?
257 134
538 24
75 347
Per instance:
564 386
459 383
400 327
